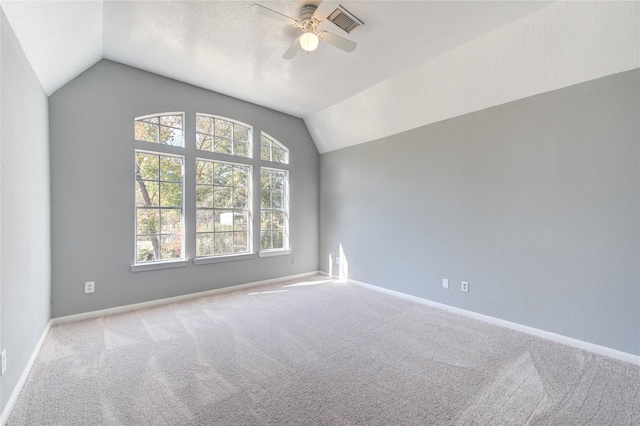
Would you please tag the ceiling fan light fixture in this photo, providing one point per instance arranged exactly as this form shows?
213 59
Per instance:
309 41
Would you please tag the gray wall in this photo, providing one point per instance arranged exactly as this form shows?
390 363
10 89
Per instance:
535 203
92 187
25 255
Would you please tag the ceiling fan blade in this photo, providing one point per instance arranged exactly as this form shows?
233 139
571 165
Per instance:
265 11
293 49
337 41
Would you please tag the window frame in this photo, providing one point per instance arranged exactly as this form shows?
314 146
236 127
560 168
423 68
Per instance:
211 258
159 207
286 249
142 118
249 141
273 141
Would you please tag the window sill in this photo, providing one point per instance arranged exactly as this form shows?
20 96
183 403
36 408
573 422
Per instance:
270 253
159 265
219 259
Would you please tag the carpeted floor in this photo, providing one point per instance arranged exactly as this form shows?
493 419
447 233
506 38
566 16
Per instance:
316 352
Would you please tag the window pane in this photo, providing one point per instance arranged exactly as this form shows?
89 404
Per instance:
222 146
204 172
223 128
265 199
204 196
240 242
222 197
171 121
278 220
277 240
151 120
240 132
170 247
170 221
278 155
277 201
240 221
204 124
170 194
265 240
144 249
170 136
265 179
223 243
223 221
147 166
171 169
204 142
204 220
241 176
266 220
146 193
265 153
204 245
278 180
222 174
240 198
147 221
146 132
241 149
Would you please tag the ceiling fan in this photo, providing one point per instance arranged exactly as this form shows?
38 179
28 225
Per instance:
308 21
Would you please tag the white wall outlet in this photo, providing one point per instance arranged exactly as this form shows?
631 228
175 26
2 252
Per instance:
4 361
465 286
89 287
445 283
337 260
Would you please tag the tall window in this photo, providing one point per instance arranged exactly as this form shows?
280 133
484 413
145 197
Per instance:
272 150
159 178
158 207
222 136
223 208
274 211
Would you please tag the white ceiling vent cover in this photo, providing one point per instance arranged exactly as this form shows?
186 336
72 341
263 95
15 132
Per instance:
345 20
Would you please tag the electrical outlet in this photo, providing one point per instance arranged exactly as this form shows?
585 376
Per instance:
89 287
465 286
445 283
337 260
4 361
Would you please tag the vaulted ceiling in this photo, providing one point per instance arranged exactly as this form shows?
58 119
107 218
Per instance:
416 62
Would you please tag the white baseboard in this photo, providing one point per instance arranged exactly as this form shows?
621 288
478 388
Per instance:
590 347
4 417
165 301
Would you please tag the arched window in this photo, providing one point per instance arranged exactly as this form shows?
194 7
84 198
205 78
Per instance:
223 136
272 150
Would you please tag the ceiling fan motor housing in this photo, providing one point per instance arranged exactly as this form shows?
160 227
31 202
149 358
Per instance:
306 12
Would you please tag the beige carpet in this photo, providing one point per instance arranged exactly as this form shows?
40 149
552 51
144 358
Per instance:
316 352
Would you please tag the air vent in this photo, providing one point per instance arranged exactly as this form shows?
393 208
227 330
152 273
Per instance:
345 20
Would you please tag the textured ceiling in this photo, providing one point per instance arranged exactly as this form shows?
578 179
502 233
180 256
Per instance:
222 46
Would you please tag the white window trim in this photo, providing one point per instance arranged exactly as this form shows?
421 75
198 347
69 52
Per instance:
223 258
152 266
277 252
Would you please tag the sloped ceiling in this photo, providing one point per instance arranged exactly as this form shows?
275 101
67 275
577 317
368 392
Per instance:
417 62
